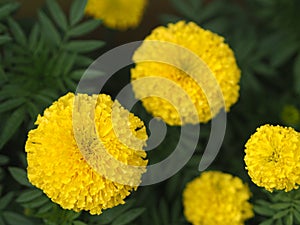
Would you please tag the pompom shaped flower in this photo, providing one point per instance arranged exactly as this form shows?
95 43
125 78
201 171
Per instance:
216 198
197 62
273 158
117 14
75 153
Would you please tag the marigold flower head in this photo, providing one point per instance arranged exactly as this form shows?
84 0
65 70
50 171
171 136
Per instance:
193 44
67 167
273 158
117 14
216 198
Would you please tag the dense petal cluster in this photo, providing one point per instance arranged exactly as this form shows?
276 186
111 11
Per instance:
273 158
216 198
180 65
67 153
117 14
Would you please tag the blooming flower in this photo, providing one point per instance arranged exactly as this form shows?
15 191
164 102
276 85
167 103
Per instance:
216 198
117 14
67 152
191 44
273 158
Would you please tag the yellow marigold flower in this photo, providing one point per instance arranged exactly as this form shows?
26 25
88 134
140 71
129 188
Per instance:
290 115
117 14
273 158
216 198
206 46
65 166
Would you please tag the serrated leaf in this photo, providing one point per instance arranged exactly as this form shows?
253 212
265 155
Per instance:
77 11
263 210
11 104
7 9
84 28
3 160
267 222
20 176
13 218
49 31
5 200
57 14
29 195
128 217
296 71
11 125
17 32
83 46
281 214
279 222
4 39
68 64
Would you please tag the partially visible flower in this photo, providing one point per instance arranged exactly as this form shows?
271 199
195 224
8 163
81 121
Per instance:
216 198
273 158
74 141
179 50
290 115
117 14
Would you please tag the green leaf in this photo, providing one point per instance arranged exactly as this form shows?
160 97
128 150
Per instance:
84 61
84 28
163 209
279 222
297 74
78 223
110 214
2 221
5 200
77 11
16 219
17 32
88 74
11 126
20 176
128 217
49 31
297 215
7 9
38 202
280 206
29 195
263 210
183 7
45 208
281 214
267 222
4 39
57 14
83 46
34 36
282 55
289 219
11 104
3 160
